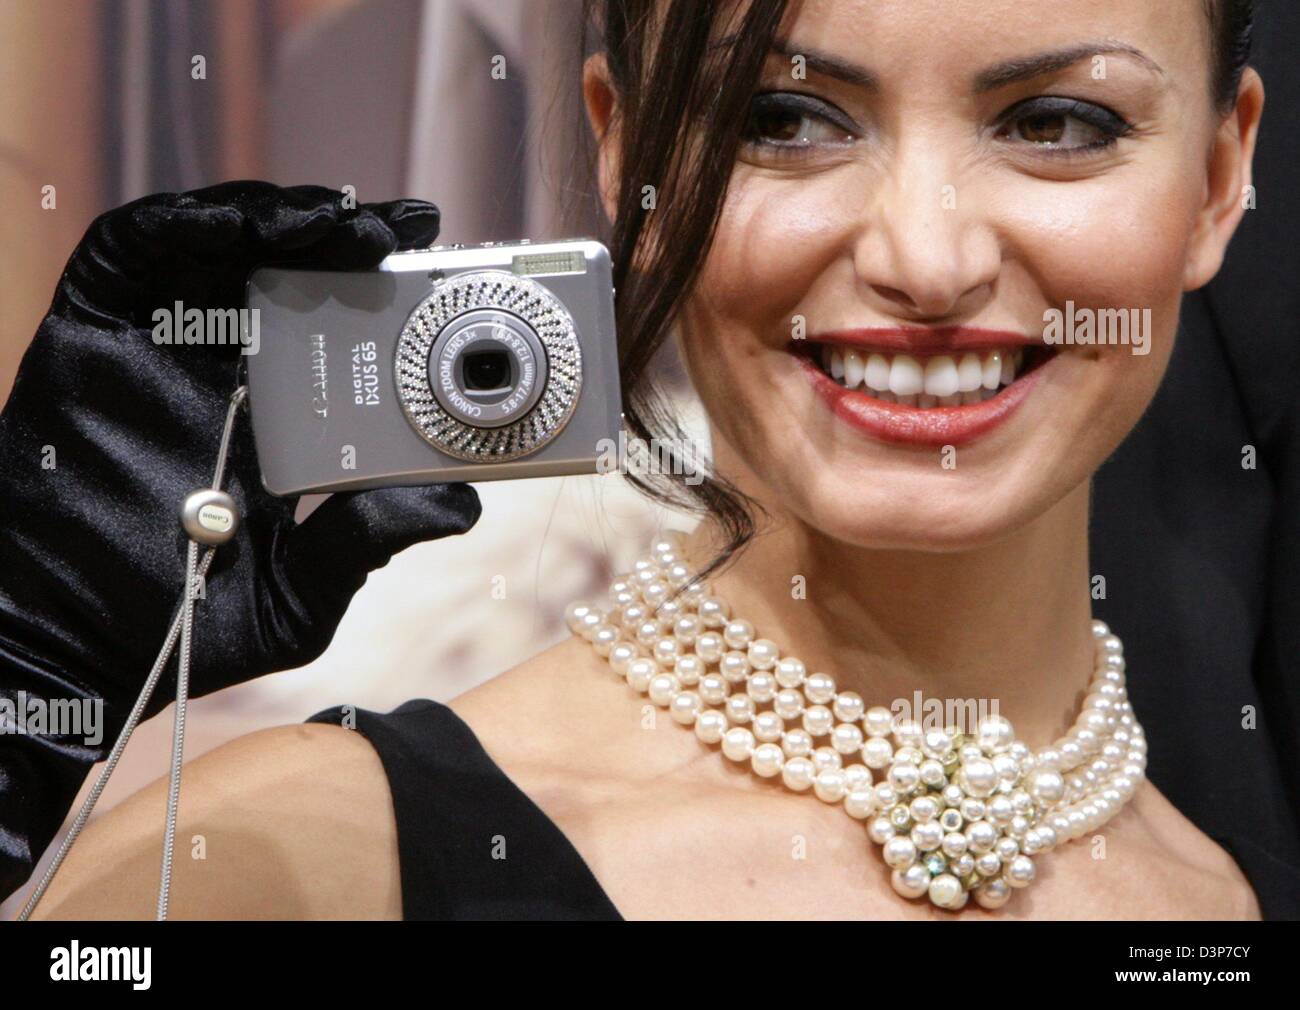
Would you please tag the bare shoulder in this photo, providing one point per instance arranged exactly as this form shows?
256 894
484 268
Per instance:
290 822
1155 863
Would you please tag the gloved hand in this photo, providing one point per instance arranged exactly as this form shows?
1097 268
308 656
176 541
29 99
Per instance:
104 435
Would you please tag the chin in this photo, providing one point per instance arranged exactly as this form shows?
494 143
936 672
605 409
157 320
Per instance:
931 510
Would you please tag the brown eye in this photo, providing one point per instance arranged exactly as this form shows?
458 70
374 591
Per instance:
1047 129
794 124
1051 124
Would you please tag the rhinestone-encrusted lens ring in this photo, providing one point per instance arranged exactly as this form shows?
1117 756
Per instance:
535 306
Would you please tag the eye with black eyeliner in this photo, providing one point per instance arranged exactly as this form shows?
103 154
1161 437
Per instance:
1059 126
791 123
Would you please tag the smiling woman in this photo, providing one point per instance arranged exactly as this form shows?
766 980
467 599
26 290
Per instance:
874 231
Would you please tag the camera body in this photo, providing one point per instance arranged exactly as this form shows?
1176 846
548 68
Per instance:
454 363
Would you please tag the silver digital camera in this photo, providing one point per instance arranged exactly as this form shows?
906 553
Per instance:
454 363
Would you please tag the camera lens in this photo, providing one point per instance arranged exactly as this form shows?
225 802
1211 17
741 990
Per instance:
486 370
489 367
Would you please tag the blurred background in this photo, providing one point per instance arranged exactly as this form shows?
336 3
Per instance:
107 101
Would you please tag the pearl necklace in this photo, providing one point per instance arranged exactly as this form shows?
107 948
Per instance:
955 814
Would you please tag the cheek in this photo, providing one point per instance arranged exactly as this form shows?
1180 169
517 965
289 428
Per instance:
776 244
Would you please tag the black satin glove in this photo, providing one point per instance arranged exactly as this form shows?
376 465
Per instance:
105 434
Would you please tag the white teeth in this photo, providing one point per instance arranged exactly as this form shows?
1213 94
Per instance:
943 380
906 377
877 374
992 369
854 367
970 372
941 376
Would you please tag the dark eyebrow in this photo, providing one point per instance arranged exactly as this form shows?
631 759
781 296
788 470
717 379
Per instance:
831 66
1023 68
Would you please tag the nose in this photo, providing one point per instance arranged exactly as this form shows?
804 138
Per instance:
926 248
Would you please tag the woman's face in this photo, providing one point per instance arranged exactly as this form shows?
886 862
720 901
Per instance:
985 164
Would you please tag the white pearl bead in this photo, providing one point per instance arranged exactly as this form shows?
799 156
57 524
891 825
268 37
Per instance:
909 733
912 882
686 705
846 738
899 852
763 654
589 622
573 615
709 647
761 687
738 634
734 665
880 830
790 672
689 669
903 776
817 720
879 722
857 776
981 777
798 773
620 656
738 743
825 758
713 611
981 836
714 689
687 628
662 688
877 752
710 725
639 673
946 891
819 688
928 836
796 743
740 708
988 863
860 803
604 639
767 727
829 785
767 760
788 703
1020 872
848 706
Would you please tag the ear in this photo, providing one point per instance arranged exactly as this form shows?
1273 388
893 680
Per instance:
1227 185
601 100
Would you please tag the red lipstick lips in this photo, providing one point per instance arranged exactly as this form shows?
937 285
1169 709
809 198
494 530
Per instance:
902 424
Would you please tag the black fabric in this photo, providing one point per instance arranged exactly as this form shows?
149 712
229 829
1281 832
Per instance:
453 804
471 844
92 555
1202 557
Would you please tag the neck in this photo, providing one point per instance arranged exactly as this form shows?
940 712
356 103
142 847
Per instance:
1001 628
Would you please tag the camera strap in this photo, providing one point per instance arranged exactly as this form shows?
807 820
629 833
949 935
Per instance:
210 518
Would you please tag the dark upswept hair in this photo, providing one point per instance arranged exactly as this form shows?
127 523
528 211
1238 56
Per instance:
684 72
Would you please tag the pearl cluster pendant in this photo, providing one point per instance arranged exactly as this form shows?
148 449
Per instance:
956 814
